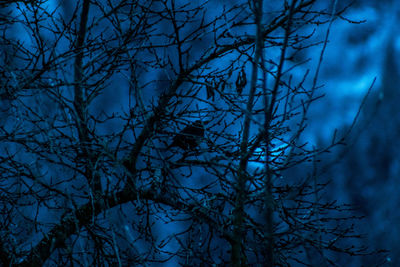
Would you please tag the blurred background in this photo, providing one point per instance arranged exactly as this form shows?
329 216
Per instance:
360 74
366 172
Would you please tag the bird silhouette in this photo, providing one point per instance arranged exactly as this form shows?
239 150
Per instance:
189 138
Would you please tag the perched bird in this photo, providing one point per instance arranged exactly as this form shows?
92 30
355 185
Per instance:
190 137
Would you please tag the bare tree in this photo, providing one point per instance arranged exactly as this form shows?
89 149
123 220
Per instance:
145 132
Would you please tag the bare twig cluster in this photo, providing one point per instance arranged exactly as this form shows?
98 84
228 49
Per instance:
141 132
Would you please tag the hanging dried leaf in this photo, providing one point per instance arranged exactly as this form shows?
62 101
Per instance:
241 81
210 91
